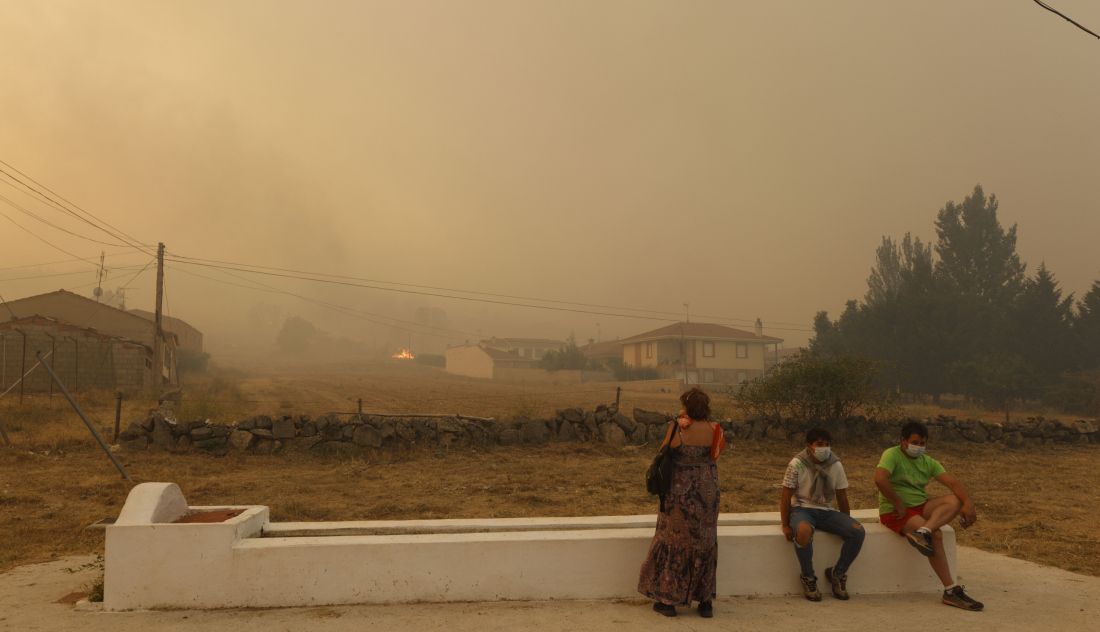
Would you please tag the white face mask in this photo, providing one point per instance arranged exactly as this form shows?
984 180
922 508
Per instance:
915 450
822 454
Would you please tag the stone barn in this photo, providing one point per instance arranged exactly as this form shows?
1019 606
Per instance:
83 358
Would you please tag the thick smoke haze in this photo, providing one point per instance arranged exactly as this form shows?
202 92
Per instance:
745 158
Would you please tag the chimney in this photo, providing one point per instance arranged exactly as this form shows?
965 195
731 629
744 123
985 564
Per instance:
759 328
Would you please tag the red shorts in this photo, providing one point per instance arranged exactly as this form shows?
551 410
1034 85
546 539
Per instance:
894 523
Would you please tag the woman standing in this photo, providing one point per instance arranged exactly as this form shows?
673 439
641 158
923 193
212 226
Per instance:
683 557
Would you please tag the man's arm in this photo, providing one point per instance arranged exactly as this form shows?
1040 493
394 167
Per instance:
882 482
842 501
785 512
969 512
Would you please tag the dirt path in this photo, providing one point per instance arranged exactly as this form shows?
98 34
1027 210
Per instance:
1018 596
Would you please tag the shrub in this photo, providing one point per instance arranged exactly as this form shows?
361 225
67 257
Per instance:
188 361
813 387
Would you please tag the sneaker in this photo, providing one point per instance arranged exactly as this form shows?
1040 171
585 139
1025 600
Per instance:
665 609
922 542
706 609
957 597
809 588
839 584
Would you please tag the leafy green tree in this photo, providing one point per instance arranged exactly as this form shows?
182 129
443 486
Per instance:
296 335
979 274
1042 333
568 357
997 379
1087 326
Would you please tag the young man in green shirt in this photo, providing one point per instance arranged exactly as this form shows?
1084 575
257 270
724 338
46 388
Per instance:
901 476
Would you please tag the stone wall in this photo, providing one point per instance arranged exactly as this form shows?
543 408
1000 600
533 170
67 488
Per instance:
356 434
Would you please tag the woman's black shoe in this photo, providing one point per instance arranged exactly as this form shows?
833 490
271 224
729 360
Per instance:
706 609
668 611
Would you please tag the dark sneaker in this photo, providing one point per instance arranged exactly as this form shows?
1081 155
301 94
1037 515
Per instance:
706 609
957 597
809 588
922 542
665 609
839 584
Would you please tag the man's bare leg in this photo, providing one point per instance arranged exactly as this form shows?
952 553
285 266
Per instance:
938 560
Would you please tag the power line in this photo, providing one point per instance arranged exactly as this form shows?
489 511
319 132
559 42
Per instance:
496 299
248 266
1065 17
126 238
349 311
25 211
60 274
48 243
432 294
50 263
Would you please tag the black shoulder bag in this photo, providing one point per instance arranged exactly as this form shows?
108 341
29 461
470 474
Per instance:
658 478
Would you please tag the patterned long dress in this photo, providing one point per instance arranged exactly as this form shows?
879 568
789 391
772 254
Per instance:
683 557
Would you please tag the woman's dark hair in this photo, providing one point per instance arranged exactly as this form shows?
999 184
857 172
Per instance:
914 428
696 404
818 433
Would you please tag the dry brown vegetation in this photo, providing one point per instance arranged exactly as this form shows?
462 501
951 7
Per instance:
1033 504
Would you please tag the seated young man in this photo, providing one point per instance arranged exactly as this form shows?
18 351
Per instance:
901 476
813 478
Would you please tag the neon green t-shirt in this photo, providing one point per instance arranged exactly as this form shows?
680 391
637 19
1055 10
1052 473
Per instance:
908 477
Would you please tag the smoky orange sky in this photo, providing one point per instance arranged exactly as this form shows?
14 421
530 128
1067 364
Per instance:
743 157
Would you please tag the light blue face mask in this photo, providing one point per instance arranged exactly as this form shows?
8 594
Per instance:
915 450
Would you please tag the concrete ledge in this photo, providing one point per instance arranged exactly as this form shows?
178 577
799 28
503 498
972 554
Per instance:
156 565
489 525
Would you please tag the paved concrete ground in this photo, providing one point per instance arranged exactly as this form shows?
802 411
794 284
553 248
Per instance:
1018 596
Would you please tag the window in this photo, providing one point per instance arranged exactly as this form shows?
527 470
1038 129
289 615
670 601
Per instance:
742 350
648 350
708 349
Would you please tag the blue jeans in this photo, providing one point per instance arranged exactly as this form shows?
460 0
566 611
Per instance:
828 521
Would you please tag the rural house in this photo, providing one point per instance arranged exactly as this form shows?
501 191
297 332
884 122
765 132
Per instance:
485 362
85 313
707 352
82 358
531 348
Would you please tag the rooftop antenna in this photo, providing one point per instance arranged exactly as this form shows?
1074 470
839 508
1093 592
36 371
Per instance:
100 274
687 314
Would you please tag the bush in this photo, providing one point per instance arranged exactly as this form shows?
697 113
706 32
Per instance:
568 357
1076 393
431 359
629 373
812 387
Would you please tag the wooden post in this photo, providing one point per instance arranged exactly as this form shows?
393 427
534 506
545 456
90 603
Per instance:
118 414
84 418
618 396
360 406
158 330
22 366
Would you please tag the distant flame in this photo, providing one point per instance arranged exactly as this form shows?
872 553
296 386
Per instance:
403 354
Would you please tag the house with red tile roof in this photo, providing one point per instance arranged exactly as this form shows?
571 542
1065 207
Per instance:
703 353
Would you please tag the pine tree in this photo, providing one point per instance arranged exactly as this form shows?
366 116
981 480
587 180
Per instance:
1087 326
1042 332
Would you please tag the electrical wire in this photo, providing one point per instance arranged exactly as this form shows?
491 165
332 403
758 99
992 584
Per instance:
48 243
32 214
248 266
1065 17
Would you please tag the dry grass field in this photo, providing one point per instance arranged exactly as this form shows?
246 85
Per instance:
1033 504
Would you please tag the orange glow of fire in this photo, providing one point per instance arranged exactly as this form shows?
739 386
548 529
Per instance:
403 354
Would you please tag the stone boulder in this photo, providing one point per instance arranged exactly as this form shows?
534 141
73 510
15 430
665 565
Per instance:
649 418
613 435
284 428
626 424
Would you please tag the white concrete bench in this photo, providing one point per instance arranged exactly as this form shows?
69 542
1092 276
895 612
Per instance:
247 561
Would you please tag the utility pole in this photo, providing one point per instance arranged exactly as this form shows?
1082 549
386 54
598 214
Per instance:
158 330
687 314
